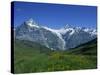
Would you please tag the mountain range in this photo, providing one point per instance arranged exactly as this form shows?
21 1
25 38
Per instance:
55 39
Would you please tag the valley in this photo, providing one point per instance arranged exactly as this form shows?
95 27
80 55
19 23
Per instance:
33 57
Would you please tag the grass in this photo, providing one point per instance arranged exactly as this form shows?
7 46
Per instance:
36 58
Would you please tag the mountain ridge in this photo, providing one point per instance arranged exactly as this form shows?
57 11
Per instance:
62 39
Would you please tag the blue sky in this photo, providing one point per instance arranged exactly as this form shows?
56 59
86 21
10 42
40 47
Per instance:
55 15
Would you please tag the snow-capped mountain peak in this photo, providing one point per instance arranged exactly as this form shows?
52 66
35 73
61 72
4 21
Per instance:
67 26
32 23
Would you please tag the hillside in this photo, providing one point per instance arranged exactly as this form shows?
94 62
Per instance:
89 48
33 57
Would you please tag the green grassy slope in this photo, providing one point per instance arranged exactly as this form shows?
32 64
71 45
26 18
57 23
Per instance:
89 48
32 57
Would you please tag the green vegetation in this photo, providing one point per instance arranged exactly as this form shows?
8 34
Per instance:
32 57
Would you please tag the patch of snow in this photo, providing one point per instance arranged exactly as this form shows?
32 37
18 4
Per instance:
72 32
32 23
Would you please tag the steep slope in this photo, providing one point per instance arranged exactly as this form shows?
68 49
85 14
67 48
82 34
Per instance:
75 36
28 45
89 48
39 35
